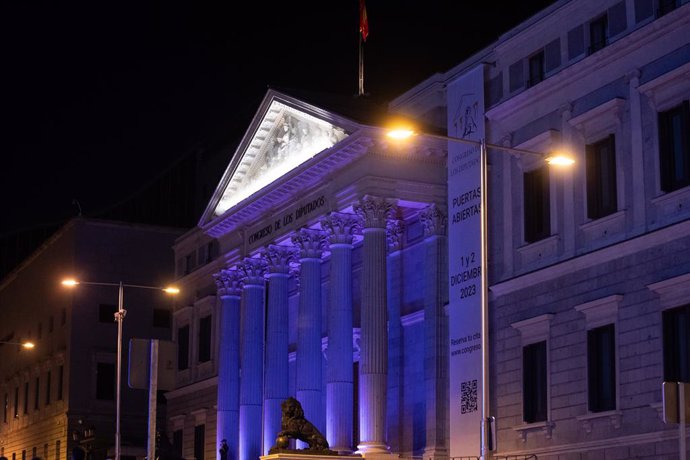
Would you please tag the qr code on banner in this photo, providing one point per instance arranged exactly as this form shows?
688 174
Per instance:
468 396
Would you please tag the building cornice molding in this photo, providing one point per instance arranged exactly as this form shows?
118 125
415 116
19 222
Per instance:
592 259
193 388
590 66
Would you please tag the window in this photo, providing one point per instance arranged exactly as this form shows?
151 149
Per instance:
177 443
601 368
106 313
676 325
643 9
48 382
534 395
105 381
666 6
205 339
188 263
183 348
576 42
199 434
674 147
37 390
26 397
598 34
601 178
537 204
536 68
162 317
515 76
61 375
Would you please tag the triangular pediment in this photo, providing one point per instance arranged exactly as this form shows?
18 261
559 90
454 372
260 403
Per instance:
282 137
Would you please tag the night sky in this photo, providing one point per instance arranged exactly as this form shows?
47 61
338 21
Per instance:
100 97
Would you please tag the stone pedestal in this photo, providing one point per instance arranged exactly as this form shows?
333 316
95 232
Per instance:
298 456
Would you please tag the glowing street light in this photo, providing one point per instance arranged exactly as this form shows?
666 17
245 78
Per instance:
119 317
402 133
27 345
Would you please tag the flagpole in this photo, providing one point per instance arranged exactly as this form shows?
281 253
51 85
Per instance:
361 66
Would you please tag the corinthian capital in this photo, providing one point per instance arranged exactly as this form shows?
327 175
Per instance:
228 283
253 270
340 227
310 242
278 258
395 230
374 211
434 221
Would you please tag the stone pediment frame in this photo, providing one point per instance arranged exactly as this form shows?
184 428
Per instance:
288 146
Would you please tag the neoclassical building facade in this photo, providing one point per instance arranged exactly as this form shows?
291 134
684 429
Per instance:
327 283
321 267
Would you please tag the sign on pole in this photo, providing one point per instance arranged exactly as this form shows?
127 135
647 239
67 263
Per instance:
139 364
465 120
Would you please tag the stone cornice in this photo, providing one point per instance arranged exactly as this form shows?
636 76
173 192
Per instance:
592 259
590 68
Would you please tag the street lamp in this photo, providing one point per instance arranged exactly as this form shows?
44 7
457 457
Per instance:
406 132
27 345
119 317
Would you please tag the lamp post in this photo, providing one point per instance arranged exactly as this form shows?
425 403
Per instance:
119 317
27 345
560 160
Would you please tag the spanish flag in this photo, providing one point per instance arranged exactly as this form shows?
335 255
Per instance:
363 20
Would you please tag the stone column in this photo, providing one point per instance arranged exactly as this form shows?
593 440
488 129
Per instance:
276 388
229 287
309 325
373 364
435 332
252 358
339 378
396 382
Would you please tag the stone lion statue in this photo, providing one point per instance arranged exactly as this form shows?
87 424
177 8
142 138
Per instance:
293 425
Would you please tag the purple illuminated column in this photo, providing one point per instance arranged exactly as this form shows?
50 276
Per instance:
395 231
251 358
276 388
229 287
309 356
435 332
339 379
373 362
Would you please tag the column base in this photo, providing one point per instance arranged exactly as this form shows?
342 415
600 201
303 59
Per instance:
297 456
374 450
435 454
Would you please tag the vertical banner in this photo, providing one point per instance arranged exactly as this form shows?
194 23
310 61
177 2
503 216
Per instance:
465 120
